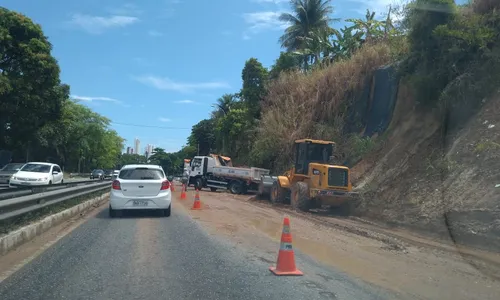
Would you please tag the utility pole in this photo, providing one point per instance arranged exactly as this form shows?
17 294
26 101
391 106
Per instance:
198 149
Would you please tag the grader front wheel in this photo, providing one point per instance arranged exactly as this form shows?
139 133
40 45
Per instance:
278 194
300 196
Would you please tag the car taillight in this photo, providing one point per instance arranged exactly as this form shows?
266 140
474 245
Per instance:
116 185
165 185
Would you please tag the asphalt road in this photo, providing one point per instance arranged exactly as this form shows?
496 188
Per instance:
149 257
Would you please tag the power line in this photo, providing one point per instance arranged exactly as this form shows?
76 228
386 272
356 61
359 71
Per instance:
149 126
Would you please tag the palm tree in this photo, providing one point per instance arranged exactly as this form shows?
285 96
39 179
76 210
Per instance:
223 105
317 45
307 17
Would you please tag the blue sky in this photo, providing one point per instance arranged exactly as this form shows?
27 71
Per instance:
162 63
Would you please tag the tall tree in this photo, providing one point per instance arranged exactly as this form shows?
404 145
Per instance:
254 76
223 105
31 93
203 136
286 62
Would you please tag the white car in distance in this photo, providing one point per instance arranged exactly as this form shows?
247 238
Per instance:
37 174
140 187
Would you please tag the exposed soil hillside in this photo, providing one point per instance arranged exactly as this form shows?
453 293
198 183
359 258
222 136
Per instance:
441 183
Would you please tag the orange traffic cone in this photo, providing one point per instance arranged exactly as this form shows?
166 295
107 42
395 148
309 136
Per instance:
183 192
286 258
197 202
172 188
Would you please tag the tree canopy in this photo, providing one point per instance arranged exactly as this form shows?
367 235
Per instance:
38 121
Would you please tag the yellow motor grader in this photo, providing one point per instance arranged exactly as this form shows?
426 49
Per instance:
312 181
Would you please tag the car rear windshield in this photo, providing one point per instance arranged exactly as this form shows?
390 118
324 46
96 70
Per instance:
141 174
38 168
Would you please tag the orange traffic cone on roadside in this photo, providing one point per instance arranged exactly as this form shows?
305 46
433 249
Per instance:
197 202
183 192
285 266
172 188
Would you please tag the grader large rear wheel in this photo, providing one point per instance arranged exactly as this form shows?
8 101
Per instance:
278 194
300 196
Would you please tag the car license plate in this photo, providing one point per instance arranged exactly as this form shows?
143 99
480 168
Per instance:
25 183
140 203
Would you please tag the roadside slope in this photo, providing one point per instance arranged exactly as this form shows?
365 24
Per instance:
438 182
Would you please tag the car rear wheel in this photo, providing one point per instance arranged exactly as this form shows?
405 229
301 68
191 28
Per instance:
167 212
112 212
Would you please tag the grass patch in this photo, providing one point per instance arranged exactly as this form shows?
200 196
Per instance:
312 105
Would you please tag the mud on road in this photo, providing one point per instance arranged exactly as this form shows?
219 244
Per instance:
411 266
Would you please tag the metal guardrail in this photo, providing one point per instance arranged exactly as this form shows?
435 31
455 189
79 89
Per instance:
71 175
18 206
28 190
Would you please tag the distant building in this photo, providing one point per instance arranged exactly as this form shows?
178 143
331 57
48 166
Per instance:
149 150
137 144
129 150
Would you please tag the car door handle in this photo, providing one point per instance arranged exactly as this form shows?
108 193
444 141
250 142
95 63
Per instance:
141 186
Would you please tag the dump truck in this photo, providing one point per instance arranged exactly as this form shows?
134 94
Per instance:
216 172
312 182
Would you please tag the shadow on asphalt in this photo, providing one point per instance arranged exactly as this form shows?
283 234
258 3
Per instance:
131 214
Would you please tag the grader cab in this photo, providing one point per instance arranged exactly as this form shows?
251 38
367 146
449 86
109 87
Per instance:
312 182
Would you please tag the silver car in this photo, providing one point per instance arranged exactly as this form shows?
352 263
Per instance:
8 170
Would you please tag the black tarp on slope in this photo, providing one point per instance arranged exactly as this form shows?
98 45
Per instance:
383 100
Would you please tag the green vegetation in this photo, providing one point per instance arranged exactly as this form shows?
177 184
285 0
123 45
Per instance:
38 121
448 53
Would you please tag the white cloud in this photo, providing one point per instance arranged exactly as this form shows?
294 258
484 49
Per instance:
93 99
161 119
185 101
128 9
154 33
97 25
261 21
168 84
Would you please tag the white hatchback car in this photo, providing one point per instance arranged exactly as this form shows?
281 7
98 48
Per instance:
36 174
140 187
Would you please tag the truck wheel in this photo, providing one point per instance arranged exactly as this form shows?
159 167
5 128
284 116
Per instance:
212 189
300 196
261 191
235 187
344 209
198 184
277 193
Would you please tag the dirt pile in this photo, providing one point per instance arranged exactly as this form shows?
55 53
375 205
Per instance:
433 180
